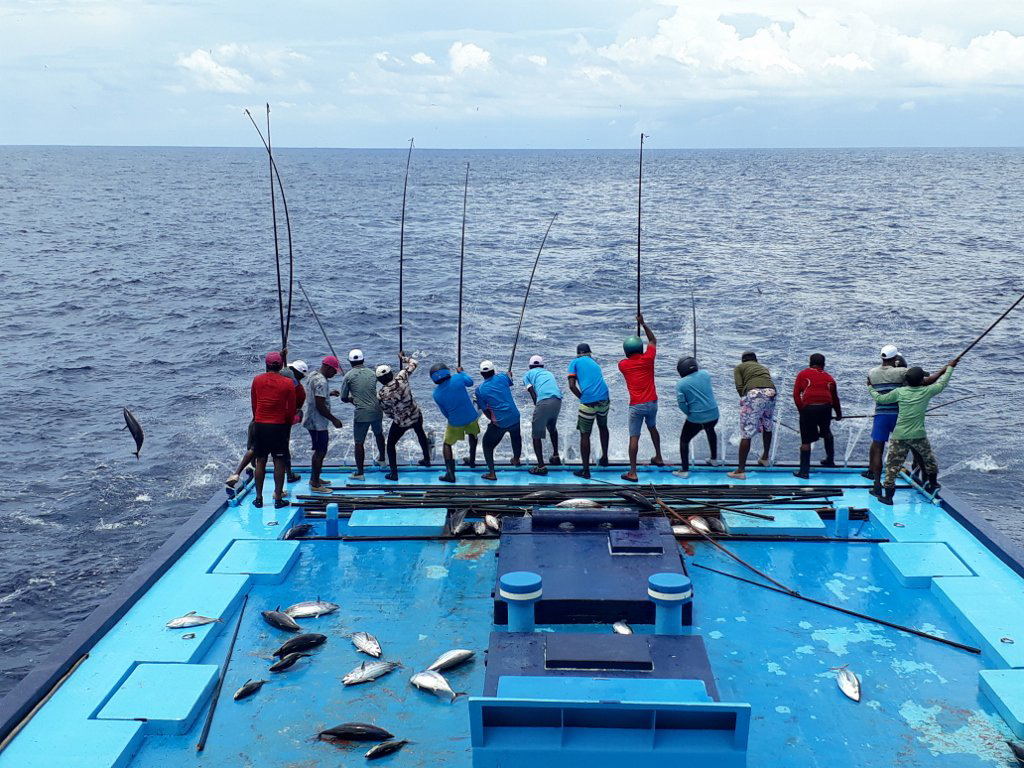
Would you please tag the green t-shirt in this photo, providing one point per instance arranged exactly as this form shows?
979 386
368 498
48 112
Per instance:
913 403
752 375
360 385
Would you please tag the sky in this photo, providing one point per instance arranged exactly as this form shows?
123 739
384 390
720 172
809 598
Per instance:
558 74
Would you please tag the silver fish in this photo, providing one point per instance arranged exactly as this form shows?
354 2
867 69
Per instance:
367 643
455 521
493 523
622 628
435 683
682 530
462 528
384 748
699 524
249 687
189 636
364 673
190 619
480 528
579 504
450 659
280 620
311 609
849 683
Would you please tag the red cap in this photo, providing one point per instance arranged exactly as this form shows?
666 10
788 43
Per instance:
332 361
274 358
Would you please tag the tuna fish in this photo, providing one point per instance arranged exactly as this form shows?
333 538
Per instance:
365 673
493 523
716 525
699 524
286 661
1018 751
682 530
451 659
579 504
848 682
384 748
311 609
366 643
297 531
435 683
300 643
355 732
636 498
540 496
455 521
279 620
249 687
464 527
622 628
480 528
133 426
190 619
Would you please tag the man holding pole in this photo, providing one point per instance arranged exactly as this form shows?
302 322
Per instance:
359 387
637 369
547 404
318 417
452 398
586 380
494 398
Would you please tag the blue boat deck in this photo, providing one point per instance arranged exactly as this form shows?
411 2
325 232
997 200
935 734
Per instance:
923 703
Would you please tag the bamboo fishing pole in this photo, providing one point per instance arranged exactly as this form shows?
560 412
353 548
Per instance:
639 201
317 318
401 255
529 285
988 330
462 265
693 307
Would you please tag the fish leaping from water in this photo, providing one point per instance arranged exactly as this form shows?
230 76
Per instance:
133 426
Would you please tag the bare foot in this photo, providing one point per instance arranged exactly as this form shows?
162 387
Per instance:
737 475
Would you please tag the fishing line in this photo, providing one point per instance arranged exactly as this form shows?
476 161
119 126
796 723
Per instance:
317 318
401 255
462 264
529 285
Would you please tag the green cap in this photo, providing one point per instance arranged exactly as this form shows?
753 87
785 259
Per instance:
632 346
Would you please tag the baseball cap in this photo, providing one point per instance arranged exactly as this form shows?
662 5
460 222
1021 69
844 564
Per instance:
274 358
889 351
382 370
300 366
333 362
536 360
486 366
355 356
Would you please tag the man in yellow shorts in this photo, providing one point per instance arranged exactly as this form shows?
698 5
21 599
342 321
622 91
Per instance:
451 393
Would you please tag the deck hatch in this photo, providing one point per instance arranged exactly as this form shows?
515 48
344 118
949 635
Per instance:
572 651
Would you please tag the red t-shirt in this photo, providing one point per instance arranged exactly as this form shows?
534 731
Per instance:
273 399
815 387
638 371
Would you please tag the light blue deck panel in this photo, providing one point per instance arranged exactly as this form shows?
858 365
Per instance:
428 521
917 563
992 613
1005 689
601 689
922 704
787 522
167 697
264 561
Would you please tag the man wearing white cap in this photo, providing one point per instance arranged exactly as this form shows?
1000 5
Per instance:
359 387
547 398
494 398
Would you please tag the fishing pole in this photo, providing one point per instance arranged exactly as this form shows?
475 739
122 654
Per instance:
201 744
317 318
401 254
462 264
987 330
693 307
933 408
529 285
639 200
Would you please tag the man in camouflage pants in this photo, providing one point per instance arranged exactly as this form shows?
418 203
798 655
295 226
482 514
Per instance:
909 433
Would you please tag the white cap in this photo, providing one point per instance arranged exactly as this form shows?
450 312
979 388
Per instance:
889 351
300 366
486 366
355 356
536 360
382 370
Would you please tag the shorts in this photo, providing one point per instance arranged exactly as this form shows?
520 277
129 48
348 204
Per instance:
642 413
815 422
757 410
360 428
318 437
270 440
249 436
453 435
591 412
545 416
883 426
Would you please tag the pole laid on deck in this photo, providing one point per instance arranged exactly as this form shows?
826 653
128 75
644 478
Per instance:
529 285
462 265
401 255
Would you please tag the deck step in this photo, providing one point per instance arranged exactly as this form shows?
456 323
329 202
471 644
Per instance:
428 521
1005 689
915 564
265 562
989 614
167 697
601 689
787 522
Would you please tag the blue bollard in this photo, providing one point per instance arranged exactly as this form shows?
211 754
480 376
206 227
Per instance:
842 522
520 590
669 592
332 519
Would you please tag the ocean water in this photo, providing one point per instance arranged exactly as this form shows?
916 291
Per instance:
144 277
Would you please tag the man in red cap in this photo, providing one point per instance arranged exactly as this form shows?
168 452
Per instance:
273 406
318 416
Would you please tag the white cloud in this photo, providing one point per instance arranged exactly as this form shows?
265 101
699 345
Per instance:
213 76
467 56
908 106
421 58
540 61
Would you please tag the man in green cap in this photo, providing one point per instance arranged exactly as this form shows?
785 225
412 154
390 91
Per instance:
638 370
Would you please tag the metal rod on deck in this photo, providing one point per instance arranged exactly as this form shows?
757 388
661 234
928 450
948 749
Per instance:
201 744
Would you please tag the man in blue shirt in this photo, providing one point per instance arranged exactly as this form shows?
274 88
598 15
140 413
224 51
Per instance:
587 382
494 398
547 399
697 401
455 404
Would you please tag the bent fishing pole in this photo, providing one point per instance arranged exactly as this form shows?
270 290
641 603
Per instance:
693 307
529 285
989 329
317 318
639 201
462 264
401 255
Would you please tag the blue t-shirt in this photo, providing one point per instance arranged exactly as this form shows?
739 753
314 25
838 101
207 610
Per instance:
495 395
590 379
453 399
543 383
696 399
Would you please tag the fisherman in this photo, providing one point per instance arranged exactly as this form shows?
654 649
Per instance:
298 370
547 403
816 397
359 387
273 406
455 404
586 380
909 433
247 458
494 399
757 409
638 370
397 401
318 416
697 401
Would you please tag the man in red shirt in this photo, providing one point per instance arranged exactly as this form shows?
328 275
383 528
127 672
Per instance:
273 408
815 395
638 370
